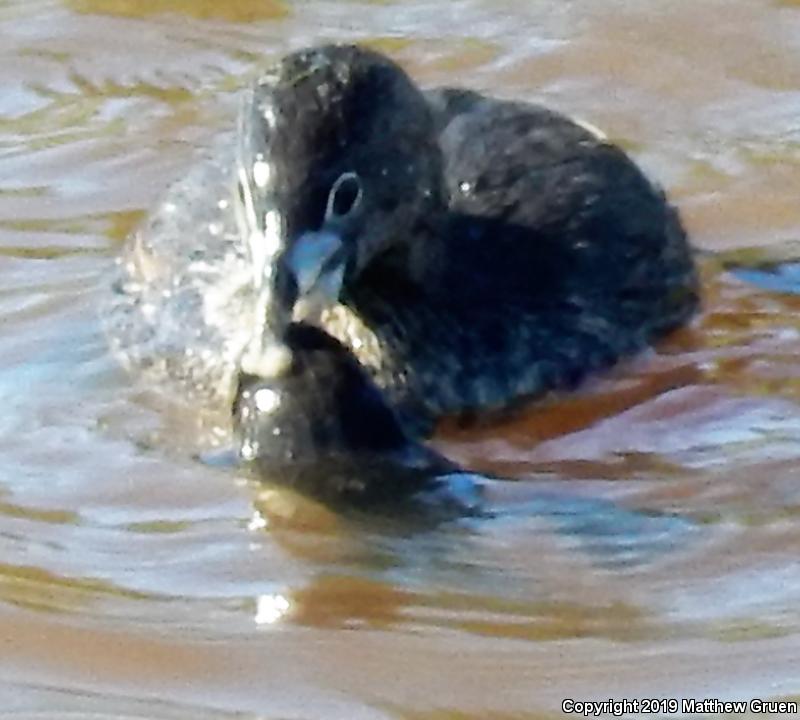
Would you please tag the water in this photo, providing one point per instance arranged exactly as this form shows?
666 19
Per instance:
653 546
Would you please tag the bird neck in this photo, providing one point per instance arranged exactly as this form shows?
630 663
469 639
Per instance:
419 258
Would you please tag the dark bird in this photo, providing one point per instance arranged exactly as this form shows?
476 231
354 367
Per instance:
322 427
469 251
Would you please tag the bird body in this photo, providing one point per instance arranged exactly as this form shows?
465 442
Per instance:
471 253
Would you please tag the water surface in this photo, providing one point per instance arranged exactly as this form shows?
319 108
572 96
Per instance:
654 547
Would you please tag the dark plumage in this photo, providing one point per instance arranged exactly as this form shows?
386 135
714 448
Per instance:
323 427
470 252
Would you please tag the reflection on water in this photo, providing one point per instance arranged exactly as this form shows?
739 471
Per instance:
244 11
648 543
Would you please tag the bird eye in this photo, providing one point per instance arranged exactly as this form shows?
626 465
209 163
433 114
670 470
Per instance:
344 197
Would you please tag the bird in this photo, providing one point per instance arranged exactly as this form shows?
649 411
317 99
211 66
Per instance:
472 253
323 428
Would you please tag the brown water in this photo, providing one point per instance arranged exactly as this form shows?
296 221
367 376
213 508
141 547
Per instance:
653 550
